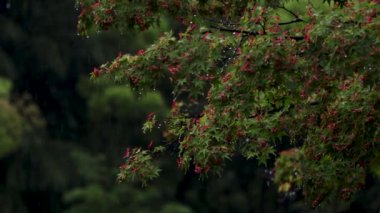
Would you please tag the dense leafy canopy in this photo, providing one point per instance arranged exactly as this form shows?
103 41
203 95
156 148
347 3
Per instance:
250 77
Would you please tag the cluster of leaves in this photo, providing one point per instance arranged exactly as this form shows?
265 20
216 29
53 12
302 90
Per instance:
254 79
11 122
139 165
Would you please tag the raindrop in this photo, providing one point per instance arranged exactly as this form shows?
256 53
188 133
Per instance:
8 5
247 140
87 36
268 183
290 195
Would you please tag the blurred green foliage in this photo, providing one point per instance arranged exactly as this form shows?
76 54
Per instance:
10 122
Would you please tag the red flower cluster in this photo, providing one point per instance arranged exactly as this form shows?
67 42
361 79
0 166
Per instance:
174 69
140 52
127 153
95 72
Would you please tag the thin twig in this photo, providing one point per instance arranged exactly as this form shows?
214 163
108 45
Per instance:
251 33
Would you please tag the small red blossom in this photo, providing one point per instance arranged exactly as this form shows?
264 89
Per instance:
310 12
206 36
333 113
150 116
206 77
263 144
181 20
140 52
151 144
222 96
108 12
316 202
323 138
340 147
84 12
307 32
246 67
123 166
303 94
96 5
344 86
177 3
180 35
369 19
238 51
275 28
226 77
127 153
173 69
198 169
332 126
180 162
96 72
370 119
174 104
134 80
164 5
154 68
280 40
185 55
204 128
192 27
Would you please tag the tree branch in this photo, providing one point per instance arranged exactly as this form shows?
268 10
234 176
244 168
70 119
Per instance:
250 33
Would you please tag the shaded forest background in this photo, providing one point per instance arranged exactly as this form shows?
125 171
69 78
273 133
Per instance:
62 137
